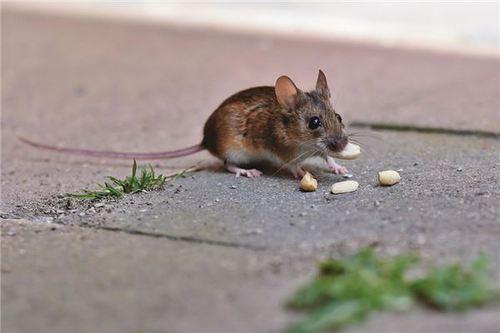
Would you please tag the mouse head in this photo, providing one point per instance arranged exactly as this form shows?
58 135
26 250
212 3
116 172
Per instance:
315 122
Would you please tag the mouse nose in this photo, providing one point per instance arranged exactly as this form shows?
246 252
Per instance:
337 142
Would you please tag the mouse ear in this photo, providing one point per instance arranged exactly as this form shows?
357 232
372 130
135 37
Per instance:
322 85
286 92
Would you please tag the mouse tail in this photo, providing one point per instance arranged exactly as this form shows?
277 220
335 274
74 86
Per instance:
116 154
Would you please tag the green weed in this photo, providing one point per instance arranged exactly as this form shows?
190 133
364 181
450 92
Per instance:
116 188
346 291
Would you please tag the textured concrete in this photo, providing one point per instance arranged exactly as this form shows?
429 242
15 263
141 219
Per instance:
145 88
68 279
212 253
449 189
81 280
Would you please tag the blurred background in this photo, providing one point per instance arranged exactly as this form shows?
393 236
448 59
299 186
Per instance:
468 26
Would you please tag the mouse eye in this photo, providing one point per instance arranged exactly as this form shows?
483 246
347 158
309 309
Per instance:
339 118
314 122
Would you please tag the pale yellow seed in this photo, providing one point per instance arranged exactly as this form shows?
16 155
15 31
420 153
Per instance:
345 187
308 183
388 177
350 152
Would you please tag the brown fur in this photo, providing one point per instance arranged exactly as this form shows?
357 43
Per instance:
253 120
257 123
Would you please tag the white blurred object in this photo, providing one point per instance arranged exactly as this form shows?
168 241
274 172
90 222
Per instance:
466 27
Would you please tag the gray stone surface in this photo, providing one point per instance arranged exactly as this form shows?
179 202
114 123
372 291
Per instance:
82 280
210 252
449 189
67 279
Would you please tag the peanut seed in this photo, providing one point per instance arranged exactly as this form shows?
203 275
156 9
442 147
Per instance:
345 187
308 183
388 177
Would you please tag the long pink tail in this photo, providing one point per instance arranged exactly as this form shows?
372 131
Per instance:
117 154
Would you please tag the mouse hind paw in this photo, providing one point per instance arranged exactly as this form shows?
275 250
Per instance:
249 173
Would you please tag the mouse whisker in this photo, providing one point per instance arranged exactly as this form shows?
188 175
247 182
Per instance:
361 144
365 151
308 142
365 141
365 146
305 155
370 135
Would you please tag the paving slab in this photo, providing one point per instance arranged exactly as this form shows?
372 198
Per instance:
74 81
137 87
68 279
210 252
449 189
266 236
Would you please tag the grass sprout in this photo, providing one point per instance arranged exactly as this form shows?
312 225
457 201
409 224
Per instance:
147 180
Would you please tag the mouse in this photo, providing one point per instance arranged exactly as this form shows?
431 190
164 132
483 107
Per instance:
281 124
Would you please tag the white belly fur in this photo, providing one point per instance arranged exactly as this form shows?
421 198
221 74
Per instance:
243 157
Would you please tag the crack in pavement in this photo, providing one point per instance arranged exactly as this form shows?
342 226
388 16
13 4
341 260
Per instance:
424 129
188 239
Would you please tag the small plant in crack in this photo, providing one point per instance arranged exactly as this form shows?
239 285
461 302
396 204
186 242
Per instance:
346 291
147 180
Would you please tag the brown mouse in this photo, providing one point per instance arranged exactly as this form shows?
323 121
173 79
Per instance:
281 124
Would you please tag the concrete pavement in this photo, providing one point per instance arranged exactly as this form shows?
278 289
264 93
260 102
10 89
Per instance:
212 253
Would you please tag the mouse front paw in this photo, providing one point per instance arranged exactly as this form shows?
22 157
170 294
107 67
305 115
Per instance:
339 169
336 168
297 172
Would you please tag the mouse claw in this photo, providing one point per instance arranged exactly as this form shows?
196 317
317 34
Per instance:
340 170
336 168
297 172
250 173
253 173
